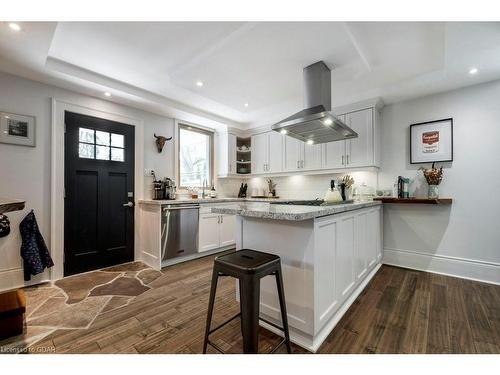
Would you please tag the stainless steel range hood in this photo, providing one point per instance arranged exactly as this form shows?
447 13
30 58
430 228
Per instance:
316 124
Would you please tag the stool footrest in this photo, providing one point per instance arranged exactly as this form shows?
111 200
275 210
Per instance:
223 324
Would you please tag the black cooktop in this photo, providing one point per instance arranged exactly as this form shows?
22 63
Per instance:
316 202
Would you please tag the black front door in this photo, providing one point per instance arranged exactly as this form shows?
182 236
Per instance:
99 193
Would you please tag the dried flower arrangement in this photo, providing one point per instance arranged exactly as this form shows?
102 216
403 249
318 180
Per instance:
433 176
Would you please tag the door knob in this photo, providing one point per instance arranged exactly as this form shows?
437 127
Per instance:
128 204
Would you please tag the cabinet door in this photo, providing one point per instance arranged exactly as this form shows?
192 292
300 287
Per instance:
359 151
293 153
232 153
209 232
360 248
275 152
372 238
334 152
227 228
259 153
344 262
312 156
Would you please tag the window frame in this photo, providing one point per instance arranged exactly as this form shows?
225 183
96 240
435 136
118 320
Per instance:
211 164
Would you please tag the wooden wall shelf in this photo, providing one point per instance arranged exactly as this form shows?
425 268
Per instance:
414 200
9 205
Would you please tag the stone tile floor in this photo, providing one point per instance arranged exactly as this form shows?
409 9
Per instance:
75 302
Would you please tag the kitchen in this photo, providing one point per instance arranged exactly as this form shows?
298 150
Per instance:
343 170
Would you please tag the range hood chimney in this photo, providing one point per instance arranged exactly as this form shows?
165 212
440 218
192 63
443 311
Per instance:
316 124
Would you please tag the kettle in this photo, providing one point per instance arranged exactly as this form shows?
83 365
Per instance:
332 195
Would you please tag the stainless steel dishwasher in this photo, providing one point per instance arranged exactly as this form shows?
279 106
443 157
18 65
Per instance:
179 230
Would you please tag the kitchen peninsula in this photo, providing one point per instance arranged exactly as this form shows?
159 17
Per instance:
328 255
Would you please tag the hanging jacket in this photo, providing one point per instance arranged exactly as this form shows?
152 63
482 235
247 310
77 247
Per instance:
34 252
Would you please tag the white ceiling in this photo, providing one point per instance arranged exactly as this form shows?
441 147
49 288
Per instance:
158 64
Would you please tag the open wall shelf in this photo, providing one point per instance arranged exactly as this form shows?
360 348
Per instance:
414 200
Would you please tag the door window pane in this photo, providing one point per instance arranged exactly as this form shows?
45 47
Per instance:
86 151
117 154
195 159
95 144
86 135
102 152
117 140
102 138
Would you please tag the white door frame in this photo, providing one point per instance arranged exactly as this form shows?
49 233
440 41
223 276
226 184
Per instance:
57 176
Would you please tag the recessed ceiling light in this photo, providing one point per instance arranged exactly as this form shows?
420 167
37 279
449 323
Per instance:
107 94
473 70
283 131
6 116
246 104
328 121
199 84
14 26
310 142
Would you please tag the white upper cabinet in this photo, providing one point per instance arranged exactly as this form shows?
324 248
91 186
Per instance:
267 152
334 153
226 154
274 152
313 157
294 151
232 153
360 151
259 153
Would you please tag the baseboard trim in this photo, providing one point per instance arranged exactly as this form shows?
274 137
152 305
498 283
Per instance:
486 272
14 278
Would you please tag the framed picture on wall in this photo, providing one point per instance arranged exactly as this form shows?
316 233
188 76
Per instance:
17 129
431 141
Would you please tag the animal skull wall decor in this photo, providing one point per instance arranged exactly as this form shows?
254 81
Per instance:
160 141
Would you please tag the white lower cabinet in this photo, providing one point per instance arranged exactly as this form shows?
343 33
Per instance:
227 227
216 231
345 279
208 232
351 243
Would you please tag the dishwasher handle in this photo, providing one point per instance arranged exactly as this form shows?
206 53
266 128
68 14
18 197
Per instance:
180 208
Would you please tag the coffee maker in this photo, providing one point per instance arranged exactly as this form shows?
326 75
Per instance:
169 188
158 190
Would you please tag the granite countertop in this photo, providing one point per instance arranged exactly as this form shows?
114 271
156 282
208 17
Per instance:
209 200
289 212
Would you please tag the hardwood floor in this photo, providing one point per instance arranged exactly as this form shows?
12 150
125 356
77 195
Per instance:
400 311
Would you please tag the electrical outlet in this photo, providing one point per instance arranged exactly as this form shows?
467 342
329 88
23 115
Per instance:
149 172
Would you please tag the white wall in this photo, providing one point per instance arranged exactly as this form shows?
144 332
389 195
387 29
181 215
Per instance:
25 172
462 239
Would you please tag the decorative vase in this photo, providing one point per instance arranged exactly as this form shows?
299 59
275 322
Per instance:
433 191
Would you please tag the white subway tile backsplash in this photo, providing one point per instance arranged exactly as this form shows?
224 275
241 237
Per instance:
293 187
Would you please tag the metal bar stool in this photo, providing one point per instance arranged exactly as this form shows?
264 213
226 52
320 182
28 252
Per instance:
248 266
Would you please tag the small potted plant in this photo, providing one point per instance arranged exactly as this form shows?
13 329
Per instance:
271 187
433 176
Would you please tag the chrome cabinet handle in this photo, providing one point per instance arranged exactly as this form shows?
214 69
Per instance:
347 158
221 219
128 204
342 159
